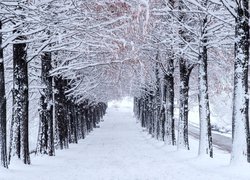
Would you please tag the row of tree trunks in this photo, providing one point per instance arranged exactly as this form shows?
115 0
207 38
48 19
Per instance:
79 120
155 108
161 122
71 121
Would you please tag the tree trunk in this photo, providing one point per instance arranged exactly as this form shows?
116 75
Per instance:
60 116
83 121
73 131
46 135
151 113
205 141
20 102
168 100
240 119
3 146
185 71
157 101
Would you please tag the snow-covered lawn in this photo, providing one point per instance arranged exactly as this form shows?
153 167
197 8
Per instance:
121 150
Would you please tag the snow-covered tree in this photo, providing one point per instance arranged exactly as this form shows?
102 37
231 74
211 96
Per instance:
3 115
239 9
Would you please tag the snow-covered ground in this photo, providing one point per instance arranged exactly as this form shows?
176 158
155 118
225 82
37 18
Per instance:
121 150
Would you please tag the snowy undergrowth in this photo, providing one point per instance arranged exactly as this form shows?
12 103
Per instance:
121 150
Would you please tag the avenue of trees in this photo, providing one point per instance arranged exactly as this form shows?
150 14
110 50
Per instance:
183 38
63 60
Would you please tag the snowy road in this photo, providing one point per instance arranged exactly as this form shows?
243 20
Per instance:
220 141
120 150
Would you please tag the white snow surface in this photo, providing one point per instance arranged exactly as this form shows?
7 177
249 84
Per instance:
121 150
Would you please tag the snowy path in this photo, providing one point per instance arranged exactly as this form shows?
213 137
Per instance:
120 150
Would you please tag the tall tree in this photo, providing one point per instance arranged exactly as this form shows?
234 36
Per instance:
168 100
20 129
205 142
240 120
185 68
158 121
185 71
3 149
46 136
61 124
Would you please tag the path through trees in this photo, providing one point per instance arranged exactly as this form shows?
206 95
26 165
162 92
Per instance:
121 149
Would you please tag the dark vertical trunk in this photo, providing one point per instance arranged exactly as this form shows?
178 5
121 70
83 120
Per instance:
240 119
141 109
143 112
157 102
3 146
72 123
94 117
20 102
151 114
168 101
68 114
74 116
97 114
46 136
83 121
87 119
147 113
91 115
79 115
60 113
170 90
185 71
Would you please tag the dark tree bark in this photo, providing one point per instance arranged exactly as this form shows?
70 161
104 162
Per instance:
87 119
91 118
72 130
82 121
94 118
151 114
169 88
20 139
46 135
3 146
143 111
61 123
185 70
